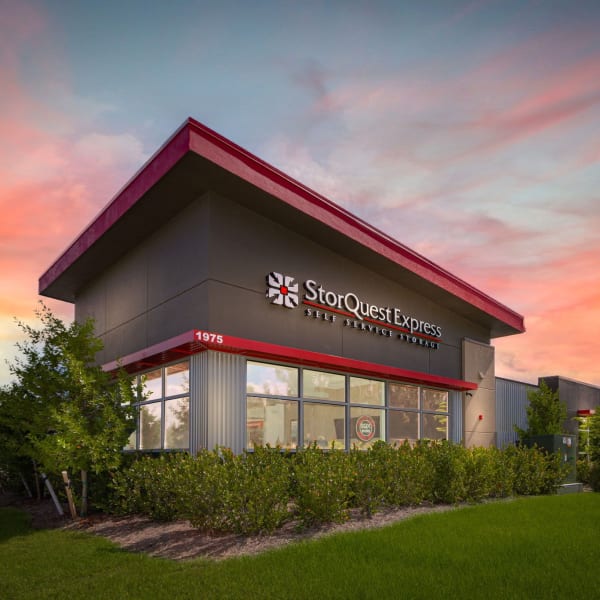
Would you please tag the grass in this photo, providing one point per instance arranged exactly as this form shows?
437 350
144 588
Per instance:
543 547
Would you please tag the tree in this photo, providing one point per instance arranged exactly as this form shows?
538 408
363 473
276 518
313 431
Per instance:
594 423
546 414
64 411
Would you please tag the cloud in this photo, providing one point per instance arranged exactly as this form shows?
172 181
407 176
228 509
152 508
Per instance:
53 179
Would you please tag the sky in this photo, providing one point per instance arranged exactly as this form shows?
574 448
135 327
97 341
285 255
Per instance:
467 130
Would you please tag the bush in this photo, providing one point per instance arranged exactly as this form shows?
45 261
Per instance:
322 485
583 470
253 492
479 473
371 476
595 477
449 471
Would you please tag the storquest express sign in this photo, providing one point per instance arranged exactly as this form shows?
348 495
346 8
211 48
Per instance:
331 306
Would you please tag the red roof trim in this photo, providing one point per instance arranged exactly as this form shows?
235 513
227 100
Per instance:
195 137
192 342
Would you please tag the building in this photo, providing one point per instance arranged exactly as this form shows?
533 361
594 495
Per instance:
257 311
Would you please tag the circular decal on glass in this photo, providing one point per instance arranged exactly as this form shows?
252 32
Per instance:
365 428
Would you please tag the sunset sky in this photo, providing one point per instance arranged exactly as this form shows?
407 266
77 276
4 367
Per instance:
469 131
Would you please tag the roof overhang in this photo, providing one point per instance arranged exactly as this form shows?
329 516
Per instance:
195 341
196 159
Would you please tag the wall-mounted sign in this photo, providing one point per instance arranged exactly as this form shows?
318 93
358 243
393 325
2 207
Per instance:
326 305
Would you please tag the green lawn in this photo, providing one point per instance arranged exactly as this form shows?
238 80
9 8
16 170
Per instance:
543 547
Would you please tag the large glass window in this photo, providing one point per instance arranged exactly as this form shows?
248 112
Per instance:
275 380
291 406
403 395
367 391
325 425
271 421
435 427
323 386
403 426
163 419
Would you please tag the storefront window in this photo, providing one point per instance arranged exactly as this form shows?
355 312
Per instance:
271 421
367 425
435 427
163 421
178 380
435 400
324 386
403 396
325 425
152 385
274 380
177 428
150 424
338 410
367 391
403 426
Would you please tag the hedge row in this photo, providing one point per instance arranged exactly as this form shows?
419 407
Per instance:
259 491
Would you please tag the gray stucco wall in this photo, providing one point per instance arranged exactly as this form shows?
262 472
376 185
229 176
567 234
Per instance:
205 268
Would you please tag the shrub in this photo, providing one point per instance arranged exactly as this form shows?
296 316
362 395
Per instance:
595 476
371 476
583 470
411 476
151 486
322 485
449 471
503 472
257 494
479 473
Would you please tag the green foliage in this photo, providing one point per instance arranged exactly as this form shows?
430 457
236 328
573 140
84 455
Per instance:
546 414
322 485
594 479
594 438
63 411
543 547
449 471
371 475
245 494
256 492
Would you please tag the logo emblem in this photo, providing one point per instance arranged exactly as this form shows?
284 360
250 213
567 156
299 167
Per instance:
365 428
282 290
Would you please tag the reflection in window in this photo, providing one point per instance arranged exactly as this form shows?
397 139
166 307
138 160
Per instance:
435 427
178 379
325 425
436 400
163 418
177 429
275 380
152 384
403 426
271 421
367 425
150 423
366 391
403 396
326 386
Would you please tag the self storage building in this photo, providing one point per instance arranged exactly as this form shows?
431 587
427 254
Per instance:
257 311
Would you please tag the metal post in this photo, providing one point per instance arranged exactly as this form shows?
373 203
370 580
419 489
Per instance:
59 508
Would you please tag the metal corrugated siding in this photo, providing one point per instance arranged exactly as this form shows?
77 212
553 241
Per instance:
511 409
218 415
456 417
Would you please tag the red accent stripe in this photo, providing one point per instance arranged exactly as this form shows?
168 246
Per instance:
168 352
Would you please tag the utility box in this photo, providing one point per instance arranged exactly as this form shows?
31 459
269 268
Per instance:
566 444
